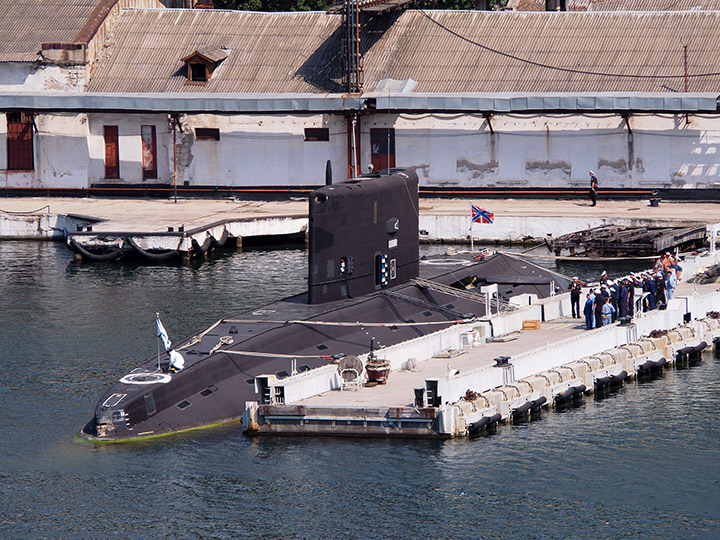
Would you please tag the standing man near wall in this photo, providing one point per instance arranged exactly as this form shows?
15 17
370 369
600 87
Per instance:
593 188
575 292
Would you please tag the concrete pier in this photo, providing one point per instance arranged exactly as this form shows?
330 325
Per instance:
471 376
440 219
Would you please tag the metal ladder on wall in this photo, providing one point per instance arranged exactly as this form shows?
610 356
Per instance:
466 294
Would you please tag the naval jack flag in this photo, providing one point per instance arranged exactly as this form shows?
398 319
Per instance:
162 333
479 215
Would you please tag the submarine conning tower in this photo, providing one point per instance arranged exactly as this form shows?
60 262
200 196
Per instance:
363 235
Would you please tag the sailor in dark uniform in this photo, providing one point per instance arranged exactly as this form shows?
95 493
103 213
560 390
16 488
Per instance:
593 188
575 292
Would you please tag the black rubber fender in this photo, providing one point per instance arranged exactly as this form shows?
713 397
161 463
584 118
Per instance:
156 256
539 402
220 242
685 351
95 257
603 381
202 248
620 377
522 410
700 347
580 389
565 396
651 365
645 366
484 423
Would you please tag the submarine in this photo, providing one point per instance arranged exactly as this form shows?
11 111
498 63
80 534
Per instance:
367 289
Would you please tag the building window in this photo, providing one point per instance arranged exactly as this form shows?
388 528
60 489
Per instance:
149 152
197 73
317 134
207 134
202 63
20 142
112 152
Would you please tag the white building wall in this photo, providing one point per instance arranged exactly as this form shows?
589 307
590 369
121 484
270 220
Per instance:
17 76
453 150
130 147
3 147
61 151
262 150
658 151
60 148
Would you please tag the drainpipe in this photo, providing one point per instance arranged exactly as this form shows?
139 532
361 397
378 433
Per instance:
687 116
175 121
352 151
630 141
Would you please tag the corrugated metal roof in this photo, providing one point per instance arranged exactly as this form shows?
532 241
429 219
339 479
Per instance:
267 52
448 51
445 51
26 24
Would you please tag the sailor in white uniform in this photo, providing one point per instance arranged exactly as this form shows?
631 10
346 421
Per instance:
177 362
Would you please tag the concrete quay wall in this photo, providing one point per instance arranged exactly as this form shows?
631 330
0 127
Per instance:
44 226
508 228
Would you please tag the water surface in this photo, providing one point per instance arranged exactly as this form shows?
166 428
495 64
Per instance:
642 462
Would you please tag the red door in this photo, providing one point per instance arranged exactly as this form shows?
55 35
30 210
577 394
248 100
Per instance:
149 151
382 144
20 142
112 154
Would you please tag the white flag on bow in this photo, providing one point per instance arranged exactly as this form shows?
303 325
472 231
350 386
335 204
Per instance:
162 333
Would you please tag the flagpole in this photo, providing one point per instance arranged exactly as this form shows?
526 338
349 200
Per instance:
157 318
472 222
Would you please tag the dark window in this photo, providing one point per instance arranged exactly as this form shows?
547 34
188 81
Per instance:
206 392
282 374
321 347
207 134
183 404
112 153
20 142
197 73
317 134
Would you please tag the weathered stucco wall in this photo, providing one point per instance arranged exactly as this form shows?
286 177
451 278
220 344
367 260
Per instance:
130 147
17 76
61 151
461 150
555 150
261 150
60 148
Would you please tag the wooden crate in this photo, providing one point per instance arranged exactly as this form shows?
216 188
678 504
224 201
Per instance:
531 325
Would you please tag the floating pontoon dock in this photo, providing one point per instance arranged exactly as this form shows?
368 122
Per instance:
470 377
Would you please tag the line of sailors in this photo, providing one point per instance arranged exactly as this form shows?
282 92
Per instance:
614 299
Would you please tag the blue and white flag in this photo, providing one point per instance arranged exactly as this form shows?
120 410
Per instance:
162 333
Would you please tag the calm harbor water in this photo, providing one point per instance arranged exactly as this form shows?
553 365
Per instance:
642 462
